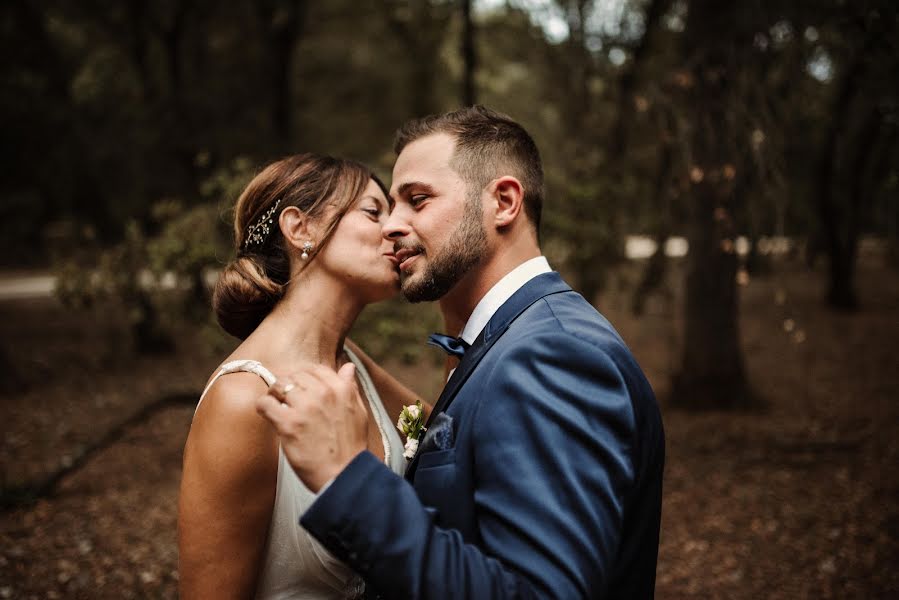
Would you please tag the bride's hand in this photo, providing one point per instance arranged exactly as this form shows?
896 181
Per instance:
321 419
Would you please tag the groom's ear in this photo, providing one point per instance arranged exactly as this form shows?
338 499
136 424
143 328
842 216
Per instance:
296 227
508 199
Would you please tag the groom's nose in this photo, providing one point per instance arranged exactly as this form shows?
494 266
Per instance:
396 226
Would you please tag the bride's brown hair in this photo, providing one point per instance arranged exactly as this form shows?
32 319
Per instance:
251 285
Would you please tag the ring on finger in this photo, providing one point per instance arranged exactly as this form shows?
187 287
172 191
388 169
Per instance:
280 389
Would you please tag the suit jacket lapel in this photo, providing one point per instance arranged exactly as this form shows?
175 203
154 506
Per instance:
535 289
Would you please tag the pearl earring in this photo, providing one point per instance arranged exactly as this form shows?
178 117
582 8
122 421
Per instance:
307 248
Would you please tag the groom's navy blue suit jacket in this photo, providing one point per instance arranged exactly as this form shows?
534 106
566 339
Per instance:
543 479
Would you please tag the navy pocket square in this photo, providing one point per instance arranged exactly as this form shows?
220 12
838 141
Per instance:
440 434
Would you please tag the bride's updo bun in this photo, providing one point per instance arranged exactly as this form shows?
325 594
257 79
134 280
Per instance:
244 295
252 284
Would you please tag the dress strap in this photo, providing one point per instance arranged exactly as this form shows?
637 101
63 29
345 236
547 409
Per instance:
374 401
240 366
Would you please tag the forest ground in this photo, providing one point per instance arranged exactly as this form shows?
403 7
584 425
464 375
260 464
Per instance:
796 500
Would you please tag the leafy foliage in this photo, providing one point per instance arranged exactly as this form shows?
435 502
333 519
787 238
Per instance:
139 122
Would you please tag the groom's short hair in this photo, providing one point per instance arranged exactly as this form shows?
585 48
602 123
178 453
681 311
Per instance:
488 145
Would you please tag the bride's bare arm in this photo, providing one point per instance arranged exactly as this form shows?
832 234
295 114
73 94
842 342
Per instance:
227 492
393 393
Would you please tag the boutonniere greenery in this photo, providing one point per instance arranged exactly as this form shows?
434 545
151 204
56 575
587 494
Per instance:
411 424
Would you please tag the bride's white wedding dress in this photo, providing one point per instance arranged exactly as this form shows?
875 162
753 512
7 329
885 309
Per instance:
296 566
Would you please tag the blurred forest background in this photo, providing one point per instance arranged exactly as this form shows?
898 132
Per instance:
722 182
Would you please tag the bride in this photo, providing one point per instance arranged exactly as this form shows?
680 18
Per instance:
310 256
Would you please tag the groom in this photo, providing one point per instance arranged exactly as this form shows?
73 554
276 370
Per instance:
540 475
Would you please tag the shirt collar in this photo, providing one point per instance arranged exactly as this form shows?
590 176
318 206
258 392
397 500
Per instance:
499 293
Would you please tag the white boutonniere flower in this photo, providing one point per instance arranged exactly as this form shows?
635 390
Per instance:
411 424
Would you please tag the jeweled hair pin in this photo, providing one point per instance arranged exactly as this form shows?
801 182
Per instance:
258 232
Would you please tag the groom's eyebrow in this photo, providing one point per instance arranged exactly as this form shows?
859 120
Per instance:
404 188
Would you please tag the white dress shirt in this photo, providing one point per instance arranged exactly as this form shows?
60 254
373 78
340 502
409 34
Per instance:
498 294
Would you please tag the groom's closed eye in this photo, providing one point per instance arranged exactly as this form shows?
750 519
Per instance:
417 199
415 192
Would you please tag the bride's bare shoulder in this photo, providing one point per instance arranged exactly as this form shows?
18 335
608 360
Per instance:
227 413
228 484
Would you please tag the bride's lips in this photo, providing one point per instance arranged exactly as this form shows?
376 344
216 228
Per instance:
405 257
392 258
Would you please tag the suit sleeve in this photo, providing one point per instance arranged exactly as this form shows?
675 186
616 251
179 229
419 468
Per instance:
554 440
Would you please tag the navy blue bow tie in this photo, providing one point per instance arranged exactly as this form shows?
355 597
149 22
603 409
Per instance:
451 345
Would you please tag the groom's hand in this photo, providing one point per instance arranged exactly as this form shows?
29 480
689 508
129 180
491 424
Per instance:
320 418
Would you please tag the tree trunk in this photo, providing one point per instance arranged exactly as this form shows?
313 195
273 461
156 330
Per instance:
630 78
138 44
422 81
86 198
712 374
841 221
841 294
282 22
843 247
469 57
172 35
420 25
580 70
596 246
657 266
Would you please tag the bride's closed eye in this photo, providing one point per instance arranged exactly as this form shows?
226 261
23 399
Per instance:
373 212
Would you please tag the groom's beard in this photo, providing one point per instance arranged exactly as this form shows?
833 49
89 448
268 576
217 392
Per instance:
459 255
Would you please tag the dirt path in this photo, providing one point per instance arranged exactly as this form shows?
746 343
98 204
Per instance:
21 286
798 501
